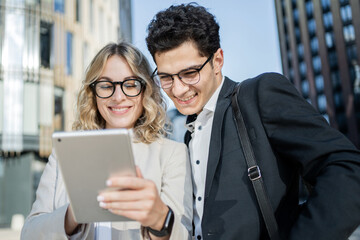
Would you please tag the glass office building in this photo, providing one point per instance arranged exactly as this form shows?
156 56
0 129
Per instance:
45 47
320 43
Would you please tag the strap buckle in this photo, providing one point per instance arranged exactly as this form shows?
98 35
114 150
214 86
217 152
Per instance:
254 173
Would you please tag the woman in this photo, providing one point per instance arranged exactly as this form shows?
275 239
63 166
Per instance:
118 92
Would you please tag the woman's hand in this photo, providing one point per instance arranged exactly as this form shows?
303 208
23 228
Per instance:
137 199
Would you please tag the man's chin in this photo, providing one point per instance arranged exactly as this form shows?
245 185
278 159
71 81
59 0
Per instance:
187 110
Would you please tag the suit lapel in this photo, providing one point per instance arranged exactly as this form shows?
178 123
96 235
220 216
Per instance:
222 105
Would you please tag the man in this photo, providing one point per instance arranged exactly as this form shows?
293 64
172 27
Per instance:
288 137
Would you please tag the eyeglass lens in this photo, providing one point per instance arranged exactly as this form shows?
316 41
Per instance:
190 76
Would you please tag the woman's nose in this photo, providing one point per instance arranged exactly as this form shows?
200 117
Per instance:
118 94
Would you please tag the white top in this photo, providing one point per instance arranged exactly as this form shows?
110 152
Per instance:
164 161
199 152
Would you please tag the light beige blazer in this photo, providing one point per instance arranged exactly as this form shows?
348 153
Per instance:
165 162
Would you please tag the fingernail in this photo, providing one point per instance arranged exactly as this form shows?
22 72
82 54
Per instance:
108 183
100 198
102 204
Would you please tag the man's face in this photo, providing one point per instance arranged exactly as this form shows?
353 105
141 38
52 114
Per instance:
190 99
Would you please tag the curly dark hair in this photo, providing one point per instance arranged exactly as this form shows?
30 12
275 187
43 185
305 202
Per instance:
180 23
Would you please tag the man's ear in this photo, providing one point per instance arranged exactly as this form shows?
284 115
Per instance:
218 61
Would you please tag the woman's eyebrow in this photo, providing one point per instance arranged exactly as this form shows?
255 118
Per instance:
110 79
131 77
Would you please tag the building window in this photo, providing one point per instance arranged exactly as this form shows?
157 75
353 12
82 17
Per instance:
341 119
338 100
291 73
319 83
58 109
300 50
343 2
77 11
314 44
325 4
345 13
311 27
329 39
322 103
333 61
305 88
59 6
351 52
69 53
302 68
335 79
349 33
45 43
91 15
328 20
289 55
85 55
101 24
297 34
296 15
316 64
309 9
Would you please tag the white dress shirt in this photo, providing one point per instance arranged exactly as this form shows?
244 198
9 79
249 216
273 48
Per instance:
199 151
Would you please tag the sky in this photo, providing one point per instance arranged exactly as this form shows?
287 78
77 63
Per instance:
248 33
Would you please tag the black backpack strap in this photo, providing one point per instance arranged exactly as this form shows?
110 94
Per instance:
254 170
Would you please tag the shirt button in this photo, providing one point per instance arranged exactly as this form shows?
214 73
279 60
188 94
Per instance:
199 198
199 128
198 237
197 162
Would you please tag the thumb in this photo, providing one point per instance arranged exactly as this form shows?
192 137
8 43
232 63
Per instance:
138 172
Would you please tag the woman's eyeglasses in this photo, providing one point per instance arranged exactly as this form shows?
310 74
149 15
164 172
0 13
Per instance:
106 88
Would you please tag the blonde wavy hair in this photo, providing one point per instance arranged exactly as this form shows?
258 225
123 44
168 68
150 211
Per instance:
151 124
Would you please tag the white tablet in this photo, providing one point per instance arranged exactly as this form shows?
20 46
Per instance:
87 159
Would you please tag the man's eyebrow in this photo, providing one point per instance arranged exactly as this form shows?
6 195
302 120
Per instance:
185 69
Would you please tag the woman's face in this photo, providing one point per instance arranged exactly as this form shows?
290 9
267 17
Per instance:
119 110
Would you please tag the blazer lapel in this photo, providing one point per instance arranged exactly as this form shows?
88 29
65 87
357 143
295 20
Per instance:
222 104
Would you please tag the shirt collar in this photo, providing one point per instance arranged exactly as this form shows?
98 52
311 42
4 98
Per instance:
209 106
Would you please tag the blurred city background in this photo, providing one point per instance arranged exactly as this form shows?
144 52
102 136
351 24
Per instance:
46 45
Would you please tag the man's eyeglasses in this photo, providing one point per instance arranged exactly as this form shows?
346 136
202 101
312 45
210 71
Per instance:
104 88
189 76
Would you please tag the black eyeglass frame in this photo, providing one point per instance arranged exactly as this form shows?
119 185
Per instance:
141 81
178 74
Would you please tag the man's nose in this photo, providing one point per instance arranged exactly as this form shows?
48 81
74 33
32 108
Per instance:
178 88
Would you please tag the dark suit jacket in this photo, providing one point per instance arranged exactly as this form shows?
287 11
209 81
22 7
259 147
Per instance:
288 137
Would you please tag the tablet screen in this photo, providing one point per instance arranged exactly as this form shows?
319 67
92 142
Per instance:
87 159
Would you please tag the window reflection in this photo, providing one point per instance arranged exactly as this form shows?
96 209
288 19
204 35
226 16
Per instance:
328 20
329 39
